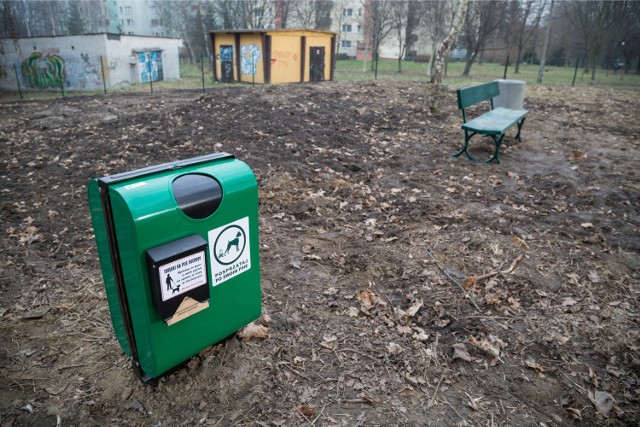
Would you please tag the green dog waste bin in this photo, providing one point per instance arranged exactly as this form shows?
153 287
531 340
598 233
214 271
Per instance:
178 247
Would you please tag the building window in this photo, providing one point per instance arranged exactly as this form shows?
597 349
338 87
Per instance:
346 28
154 23
127 10
359 12
359 28
129 22
347 11
130 33
346 43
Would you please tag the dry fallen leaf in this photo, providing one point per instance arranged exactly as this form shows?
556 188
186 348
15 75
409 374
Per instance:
460 352
493 348
330 342
403 330
514 303
307 411
368 300
394 348
575 413
603 401
577 155
469 282
411 311
253 330
353 312
531 363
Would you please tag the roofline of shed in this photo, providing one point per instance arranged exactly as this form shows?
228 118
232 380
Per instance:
90 34
265 30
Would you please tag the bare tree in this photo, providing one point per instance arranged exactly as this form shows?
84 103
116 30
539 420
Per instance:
304 13
230 13
592 20
323 14
543 57
282 9
399 17
414 15
378 24
184 19
258 13
456 25
522 21
484 18
437 18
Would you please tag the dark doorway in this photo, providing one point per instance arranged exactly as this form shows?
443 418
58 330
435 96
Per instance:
226 63
316 64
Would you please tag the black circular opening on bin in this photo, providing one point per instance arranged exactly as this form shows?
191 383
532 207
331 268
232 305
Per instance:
197 195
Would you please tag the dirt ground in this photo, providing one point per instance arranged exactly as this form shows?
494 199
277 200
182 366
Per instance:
369 229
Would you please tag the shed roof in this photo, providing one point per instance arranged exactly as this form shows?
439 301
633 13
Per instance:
273 31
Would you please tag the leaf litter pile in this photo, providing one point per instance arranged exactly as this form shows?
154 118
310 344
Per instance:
399 286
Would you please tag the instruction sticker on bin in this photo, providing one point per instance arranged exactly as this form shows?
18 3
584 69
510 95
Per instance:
229 250
182 275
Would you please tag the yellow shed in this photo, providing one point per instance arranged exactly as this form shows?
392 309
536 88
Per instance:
273 56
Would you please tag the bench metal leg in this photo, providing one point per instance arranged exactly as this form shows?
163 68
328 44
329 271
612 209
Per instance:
520 123
467 137
465 149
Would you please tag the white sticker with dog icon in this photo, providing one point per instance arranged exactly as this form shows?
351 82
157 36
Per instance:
182 275
229 251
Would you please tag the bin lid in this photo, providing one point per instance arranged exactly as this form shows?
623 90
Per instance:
112 179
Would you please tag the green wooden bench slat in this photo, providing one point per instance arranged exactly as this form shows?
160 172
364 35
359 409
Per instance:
495 122
468 96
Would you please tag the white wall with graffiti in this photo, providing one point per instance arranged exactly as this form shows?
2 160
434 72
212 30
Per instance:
88 62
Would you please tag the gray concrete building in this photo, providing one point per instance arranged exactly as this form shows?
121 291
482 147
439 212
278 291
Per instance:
88 62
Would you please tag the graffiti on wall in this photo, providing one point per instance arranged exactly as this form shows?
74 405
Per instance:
283 57
83 72
249 57
42 70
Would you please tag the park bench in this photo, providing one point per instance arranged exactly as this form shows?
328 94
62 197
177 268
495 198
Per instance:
494 123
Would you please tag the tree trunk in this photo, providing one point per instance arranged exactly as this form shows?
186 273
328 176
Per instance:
443 50
593 67
431 58
516 69
544 47
469 62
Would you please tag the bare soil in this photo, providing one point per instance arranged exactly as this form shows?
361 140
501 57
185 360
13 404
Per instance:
368 231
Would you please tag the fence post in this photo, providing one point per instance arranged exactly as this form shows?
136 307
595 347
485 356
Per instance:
202 68
15 68
575 73
150 74
104 82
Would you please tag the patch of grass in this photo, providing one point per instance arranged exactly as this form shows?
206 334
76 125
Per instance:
553 76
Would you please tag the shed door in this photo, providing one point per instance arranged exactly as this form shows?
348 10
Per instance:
226 63
316 64
150 66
